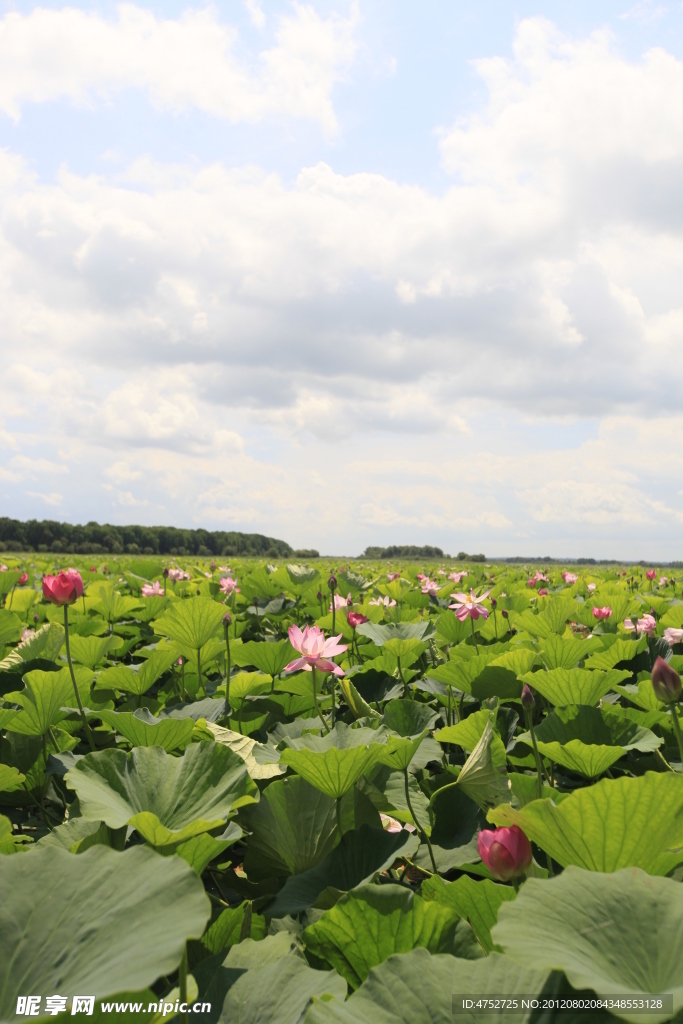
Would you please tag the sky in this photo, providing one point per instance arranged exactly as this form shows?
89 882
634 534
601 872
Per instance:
346 273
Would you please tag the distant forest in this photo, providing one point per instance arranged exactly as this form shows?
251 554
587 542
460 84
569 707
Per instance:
93 538
412 551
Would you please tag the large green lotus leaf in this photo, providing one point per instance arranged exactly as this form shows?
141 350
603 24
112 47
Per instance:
91 650
10 778
450 628
279 993
8 580
408 717
595 725
396 631
246 684
358 857
225 931
399 751
613 824
45 644
11 627
457 820
142 729
563 652
22 600
575 685
43 697
167 799
103 598
621 650
294 826
70 834
529 622
476 902
589 759
353 700
333 771
342 737
269 658
10 841
418 988
460 672
481 777
642 695
191 623
106 921
260 583
470 730
618 933
199 851
120 677
371 923
409 649
262 761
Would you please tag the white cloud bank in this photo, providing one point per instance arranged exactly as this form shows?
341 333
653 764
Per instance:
219 326
194 62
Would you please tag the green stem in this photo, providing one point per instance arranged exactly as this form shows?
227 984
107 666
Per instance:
423 835
677 730
182 981
73 679
227 676
199 671
338 813
315 701
334 700
539 766
11 597
333 612
406 691
474 636
182 675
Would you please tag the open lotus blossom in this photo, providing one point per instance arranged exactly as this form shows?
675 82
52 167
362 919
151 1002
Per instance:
430 586
663 580
651 574
152 589
506 852
470 607
316 651
26 635
647 624
602 613
386 601
540 578
421 577
543 592
178 574
441 572
224 568
393 576
569 578
3 567
390 824
356 619
673 636
457 576
228 584
591 586
64 588
341 602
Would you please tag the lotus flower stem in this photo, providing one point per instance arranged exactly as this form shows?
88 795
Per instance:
333 612
315 701
338 814
677 729
539 765
334 700
423 835
73 679
474 636
406 691
182 675
227 673
199 670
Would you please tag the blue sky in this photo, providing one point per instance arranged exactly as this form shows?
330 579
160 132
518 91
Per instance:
346 273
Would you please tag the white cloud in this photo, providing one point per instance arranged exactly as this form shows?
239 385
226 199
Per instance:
191 62
53 498
256 13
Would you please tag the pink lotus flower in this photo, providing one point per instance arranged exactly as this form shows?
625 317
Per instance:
386 601
356 619
540 578
651 574
569 578
673 636
421 577
64 588
93 568
340 602
26 635
3 567
506 852
22 579
470 607
647 624
457 576
228 584
602 613
393 576
663 580
151 590
315 650
666 682
176 574
441 572
591 586
543 592
430 586
224 568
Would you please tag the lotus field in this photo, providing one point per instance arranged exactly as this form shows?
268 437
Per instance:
337 794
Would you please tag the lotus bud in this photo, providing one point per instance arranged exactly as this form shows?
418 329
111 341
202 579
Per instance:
527 697
22 579
212 566
666 682
227 619
165 574
494 603
198 592
506 852
319 595
332 582
36 617
504 613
